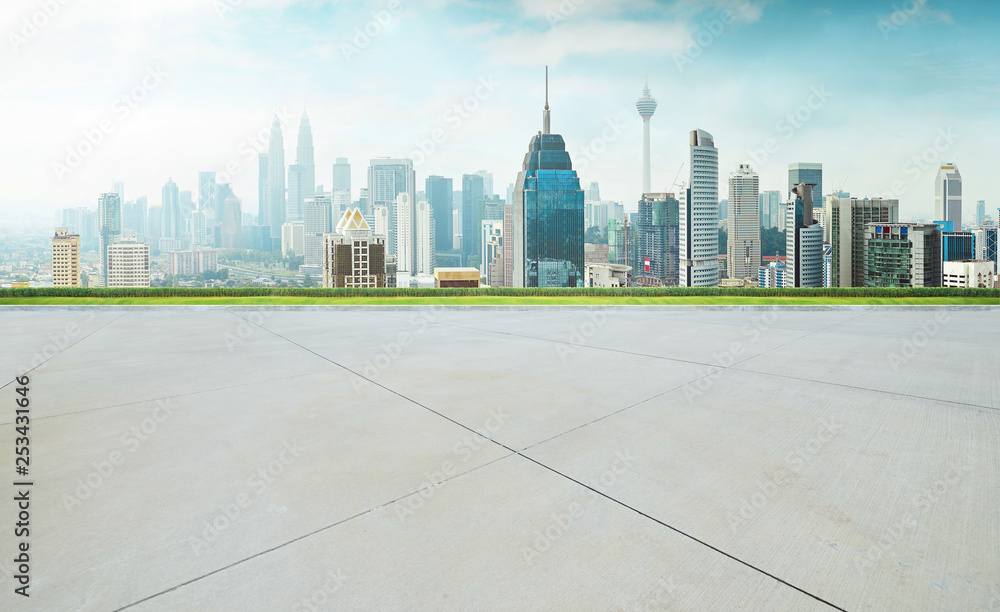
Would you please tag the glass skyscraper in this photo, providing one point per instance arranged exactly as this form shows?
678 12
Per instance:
439 192
548 214
810 174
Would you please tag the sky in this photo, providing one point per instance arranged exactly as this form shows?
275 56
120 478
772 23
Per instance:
97 91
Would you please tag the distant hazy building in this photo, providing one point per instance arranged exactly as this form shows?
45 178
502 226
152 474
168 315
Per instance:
317 215
493 251
387 178
405 248
903 255
547 214
263 210
592 193
353 255
342 180
810 174
699 216
128 264
848 219
948 195
302 175
190 263
206 193
980 212
472 214
172 225
771 210
109 212
969 274
803 241
743 258
423 238
646 107
440 194
293 238
487 177
657 242
274 210
381 221
232 223
65 259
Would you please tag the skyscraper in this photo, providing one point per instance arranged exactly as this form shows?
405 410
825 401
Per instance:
547 214
743 258
262 192
109 212
206 193
387 178
803 241
341 189
273 214
128 264
948 196
657 241
232 223
173 224
980 212
488 192
699 216
423 238
810 174
472 215
318 221
770 209
405 251
848 219
65 259
353 256
302 175
646 106
439 194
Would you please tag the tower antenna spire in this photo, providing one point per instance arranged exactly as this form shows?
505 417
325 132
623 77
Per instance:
546 117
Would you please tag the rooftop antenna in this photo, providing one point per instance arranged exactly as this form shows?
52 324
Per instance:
546 118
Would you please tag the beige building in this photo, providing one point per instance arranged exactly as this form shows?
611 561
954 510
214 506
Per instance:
65 259
979 273
846 226
445 278
189 263
607 275
128 264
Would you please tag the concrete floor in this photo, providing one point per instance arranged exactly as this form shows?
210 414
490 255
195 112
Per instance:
520 460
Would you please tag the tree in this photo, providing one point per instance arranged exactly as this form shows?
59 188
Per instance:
595 235
308 282
772 242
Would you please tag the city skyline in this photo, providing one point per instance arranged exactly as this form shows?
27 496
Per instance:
168 134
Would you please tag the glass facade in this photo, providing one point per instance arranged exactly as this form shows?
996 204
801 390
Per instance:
549 204
657 241
810 174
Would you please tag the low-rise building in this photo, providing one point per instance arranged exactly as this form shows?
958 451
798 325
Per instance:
607 275
975 273
445 278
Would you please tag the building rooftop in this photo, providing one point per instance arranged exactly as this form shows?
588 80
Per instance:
537 459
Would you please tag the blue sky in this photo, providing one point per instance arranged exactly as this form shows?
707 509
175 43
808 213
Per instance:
885 81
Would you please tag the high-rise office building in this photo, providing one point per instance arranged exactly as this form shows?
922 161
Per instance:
232 223
743 257
472 215
980 212
948 195
771 209
119 188
647 107
810 174
903 255
387 178
109 212
128 264
803 241
198 235
405 251
206 193
547 214
353 255
493 249
848 220
293 239
381 221
439 194
699 216
273 211
423 238
341 189
488 192
172 225
65 259
186 201
592 193
986 243
318 221
657 241
302 175
263 169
